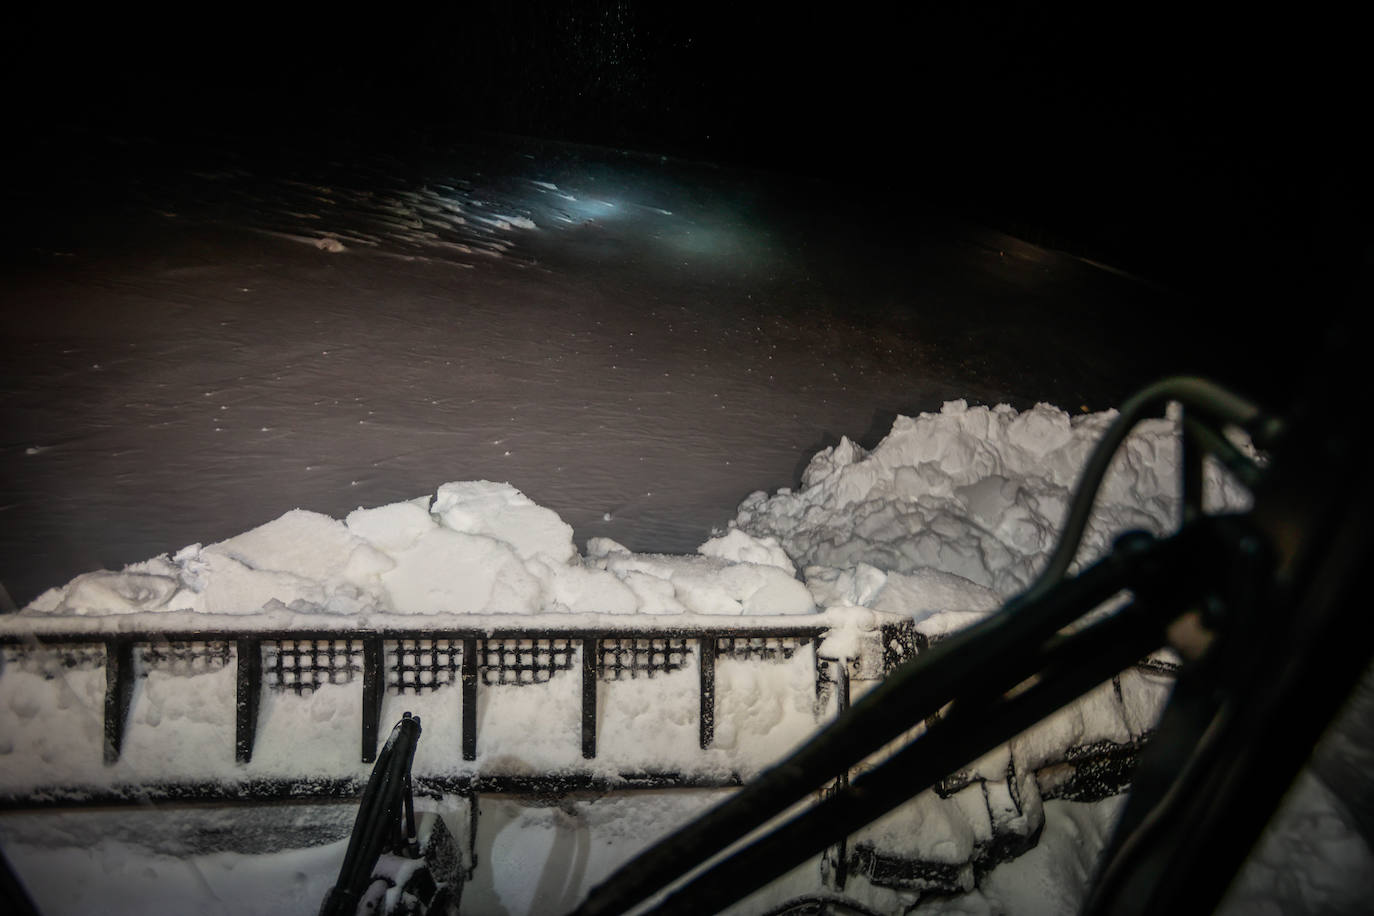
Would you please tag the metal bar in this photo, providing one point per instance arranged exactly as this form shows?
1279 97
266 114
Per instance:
255 791
474 812
374 691
591 663
194 635
119 689
707 665
1192 468
248 687
469 678
842 781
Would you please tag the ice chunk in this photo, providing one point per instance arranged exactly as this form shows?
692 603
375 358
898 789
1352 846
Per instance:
741 547
394 527
106 592
302 543
451 571
500 511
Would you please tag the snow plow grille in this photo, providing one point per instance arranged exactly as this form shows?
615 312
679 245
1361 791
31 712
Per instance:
524 661
304 685
50 661
302 666
186 659
632 658
421 665
759 648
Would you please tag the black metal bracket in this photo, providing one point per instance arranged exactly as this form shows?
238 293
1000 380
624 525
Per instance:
119 690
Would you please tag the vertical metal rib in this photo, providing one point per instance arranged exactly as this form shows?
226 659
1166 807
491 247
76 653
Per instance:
249 694
1193 454
119 688
374 690
591 657
707 659
470 665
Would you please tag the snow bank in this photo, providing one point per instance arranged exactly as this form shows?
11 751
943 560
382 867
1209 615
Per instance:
477 547
948 516
957 511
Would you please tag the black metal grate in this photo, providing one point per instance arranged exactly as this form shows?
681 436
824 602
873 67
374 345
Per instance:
621 658
185 658
524 661
304 665
421 665
898 646
760 648
52 661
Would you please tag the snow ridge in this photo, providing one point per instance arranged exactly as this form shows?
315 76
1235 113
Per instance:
978 493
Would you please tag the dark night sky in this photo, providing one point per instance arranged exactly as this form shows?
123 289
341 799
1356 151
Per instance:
1215 153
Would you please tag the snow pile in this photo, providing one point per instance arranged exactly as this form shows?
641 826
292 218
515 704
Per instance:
957 511
951 513
476 548
948 517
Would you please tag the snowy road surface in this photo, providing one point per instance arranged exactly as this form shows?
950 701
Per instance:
198 340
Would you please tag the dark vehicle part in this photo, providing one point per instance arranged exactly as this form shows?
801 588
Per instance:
1259 604
386 827
13 893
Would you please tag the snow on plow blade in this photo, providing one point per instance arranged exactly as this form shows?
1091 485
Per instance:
139 707
172 707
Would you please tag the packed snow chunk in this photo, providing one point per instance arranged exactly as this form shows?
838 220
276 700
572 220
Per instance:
302 543
707 585
849 636
975 491
833 587
741 547
1039 431
500 511
600 548
1097 717
453 572
655 595
302 560
588 590
935 600
924 592
105 592
395 527
830 460
933 829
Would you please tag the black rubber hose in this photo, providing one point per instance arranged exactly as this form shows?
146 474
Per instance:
380 803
